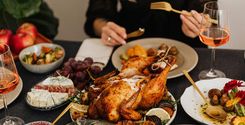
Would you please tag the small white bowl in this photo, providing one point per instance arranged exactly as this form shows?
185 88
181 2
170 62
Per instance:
43 68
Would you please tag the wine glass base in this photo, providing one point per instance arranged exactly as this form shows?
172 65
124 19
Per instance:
10 120
211 74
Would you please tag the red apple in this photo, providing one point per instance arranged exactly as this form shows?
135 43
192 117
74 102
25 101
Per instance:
20 41
29 29
5 36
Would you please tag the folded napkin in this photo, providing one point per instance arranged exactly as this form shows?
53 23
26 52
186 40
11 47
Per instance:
95 49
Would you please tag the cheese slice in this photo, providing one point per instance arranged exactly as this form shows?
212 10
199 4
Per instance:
50 81
32 99
50 101
59 97
57 81
40 98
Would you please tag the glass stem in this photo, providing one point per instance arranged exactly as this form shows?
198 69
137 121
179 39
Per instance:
5 107
212 60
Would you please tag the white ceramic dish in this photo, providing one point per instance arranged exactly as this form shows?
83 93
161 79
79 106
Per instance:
191 101
44 67
11 96
106 123
187 58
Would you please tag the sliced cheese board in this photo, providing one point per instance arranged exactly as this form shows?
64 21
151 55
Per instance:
51 93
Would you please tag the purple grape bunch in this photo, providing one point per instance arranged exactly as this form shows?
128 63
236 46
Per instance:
80 72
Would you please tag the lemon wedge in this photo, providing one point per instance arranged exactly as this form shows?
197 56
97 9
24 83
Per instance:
159 112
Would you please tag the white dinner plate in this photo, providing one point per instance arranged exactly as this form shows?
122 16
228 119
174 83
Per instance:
11 96
186 59
191 101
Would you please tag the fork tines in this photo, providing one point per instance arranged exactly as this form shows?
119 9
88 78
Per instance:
158 5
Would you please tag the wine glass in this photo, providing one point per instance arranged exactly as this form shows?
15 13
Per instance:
9 79
214 32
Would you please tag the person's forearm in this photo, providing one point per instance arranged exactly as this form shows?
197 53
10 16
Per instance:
98 24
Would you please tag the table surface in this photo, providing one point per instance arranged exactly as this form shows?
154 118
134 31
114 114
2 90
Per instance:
229 61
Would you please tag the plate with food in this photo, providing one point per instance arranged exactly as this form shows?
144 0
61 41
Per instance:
225 93
133 94
51 93
187 57
164 113
11 96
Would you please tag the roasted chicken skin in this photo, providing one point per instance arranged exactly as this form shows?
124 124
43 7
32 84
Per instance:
128 91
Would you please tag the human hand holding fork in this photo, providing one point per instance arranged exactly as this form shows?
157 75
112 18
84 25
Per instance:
190 20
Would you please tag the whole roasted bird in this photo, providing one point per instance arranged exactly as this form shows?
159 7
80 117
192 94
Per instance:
118 96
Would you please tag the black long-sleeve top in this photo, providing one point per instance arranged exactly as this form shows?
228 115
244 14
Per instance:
136 13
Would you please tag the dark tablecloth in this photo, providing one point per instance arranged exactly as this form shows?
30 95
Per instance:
229 61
